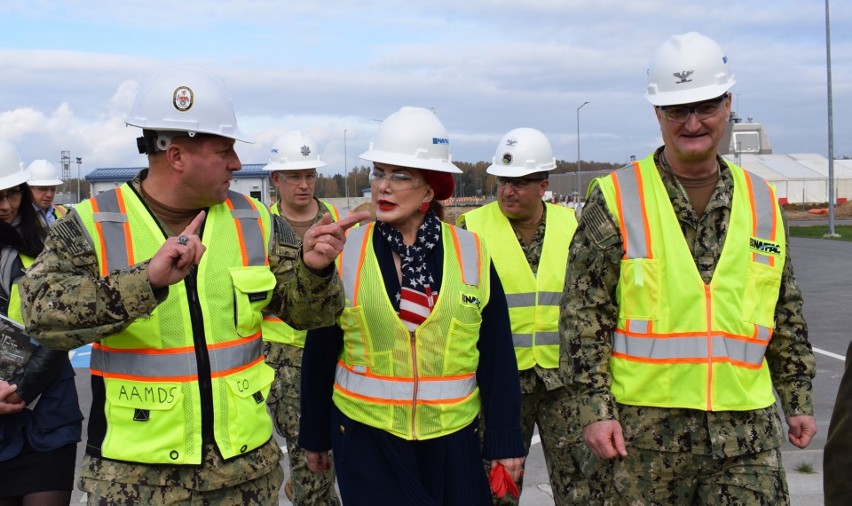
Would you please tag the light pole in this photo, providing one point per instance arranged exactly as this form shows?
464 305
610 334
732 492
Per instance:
346 173
578 145
831 230
79 162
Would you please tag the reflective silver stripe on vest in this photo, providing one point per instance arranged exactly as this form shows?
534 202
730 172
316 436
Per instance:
401 390
764 212
469 256
635 244
351 253
527 299
248 216
541 339
156 366
112 222
685 348
355 241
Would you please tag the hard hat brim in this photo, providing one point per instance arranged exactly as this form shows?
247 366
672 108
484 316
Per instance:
44 182
312 164
409 161
15 179
688 96
501 171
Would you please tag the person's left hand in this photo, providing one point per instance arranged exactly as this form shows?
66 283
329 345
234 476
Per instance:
325 239
801 429
8 403
513 466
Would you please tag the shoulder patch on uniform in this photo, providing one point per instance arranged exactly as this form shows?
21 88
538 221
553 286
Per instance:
598 224
286 234
70 236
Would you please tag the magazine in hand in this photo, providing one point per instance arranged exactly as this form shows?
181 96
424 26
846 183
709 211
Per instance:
15 347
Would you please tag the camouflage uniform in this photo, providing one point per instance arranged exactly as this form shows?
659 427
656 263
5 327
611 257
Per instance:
68 304
546 402
284 398
674 454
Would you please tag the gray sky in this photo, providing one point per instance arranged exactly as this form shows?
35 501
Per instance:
72 68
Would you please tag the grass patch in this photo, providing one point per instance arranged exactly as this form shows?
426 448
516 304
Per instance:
805 468
818 231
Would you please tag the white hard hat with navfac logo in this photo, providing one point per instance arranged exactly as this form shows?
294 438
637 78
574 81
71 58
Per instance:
412 137
688 68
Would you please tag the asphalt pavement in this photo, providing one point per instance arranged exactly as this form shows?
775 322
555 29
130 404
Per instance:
824 274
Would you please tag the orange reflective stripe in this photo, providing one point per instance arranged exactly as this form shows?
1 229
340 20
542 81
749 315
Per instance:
100 239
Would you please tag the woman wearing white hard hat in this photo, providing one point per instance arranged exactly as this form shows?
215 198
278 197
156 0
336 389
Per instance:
43 183
422 347
38 444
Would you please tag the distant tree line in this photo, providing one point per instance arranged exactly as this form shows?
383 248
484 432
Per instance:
472 182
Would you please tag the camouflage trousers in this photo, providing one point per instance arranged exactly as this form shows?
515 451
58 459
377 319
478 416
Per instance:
254 479
652 477
565 453
284 397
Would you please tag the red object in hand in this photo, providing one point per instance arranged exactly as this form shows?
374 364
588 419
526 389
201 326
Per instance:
501 482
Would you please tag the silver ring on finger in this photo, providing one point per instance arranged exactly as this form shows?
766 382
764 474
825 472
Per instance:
183 240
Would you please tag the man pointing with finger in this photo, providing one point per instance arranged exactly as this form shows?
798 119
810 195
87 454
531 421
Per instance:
167 276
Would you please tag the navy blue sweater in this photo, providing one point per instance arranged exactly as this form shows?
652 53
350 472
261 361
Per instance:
497 373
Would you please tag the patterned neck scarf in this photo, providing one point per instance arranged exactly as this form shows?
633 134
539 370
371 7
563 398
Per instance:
416 297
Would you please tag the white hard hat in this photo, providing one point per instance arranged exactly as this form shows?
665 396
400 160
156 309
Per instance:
521 152
184 100
412 137
12 171
688 68
43 173
293 151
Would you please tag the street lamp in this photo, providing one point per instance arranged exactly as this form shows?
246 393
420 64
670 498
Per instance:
578 146
346 173
79 162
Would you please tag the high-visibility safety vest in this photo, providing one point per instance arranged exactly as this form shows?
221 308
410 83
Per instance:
681 343
14 310
274 328
150 370
421 384
59 211
533 299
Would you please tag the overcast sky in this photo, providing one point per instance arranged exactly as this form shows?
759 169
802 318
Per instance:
71 68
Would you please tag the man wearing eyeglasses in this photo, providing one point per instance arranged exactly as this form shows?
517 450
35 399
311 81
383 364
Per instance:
293 165
529 242
681 312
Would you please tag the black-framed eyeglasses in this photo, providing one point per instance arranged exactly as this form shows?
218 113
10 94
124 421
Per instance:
702 110
12 194
518 183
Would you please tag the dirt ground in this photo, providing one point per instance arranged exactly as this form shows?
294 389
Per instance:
816 211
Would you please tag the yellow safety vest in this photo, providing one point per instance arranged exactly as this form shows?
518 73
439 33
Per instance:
14 309
681 343
150 370
533 299
418 385
274 328
59 211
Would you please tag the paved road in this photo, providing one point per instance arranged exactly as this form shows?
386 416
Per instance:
824 273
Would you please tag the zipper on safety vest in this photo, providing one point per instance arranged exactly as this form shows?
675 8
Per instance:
414 398
708 300
202 358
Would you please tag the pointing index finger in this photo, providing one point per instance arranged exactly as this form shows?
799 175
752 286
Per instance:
352 220
195 226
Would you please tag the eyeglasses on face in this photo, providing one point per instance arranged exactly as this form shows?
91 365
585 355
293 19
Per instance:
395 180
296 179
518 183
703 110
12 194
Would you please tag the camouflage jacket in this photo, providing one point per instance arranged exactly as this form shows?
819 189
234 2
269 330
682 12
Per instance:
589 313
68 304
550 377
